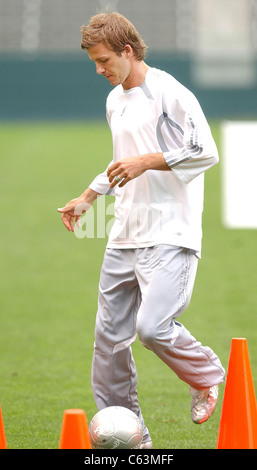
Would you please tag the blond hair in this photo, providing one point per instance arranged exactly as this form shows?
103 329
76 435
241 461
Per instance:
115 31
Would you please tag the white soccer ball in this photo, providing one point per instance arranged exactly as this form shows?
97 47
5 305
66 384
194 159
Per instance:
115 427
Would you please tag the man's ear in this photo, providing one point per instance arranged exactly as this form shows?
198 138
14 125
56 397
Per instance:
128 51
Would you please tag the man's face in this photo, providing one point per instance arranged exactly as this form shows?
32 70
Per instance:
112 66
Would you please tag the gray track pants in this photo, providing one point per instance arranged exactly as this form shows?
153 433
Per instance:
142 292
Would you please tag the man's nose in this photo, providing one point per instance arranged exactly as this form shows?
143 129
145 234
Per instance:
100 69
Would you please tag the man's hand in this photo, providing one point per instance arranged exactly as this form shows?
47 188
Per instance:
125 170
129 168
74 209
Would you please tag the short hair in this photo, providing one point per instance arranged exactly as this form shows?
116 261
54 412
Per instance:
116 31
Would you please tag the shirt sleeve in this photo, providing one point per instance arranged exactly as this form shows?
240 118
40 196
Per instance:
190 148
101 184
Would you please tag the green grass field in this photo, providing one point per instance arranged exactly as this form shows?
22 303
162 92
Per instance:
49 283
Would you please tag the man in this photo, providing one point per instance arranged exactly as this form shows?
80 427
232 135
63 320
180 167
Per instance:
162 145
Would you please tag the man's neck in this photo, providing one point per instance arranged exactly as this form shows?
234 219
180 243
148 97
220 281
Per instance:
137 75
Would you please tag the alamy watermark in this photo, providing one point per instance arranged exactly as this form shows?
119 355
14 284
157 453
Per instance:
138 219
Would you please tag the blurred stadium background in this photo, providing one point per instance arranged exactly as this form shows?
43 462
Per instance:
53 141
210 45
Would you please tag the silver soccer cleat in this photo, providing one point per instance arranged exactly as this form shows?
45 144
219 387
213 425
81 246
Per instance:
203 403
146 445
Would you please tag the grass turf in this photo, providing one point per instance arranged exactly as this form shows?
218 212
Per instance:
49 282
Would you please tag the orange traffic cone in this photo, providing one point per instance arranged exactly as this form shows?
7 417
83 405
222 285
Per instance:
238 423
75 432
3 444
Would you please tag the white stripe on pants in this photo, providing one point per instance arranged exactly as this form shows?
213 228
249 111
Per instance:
142 291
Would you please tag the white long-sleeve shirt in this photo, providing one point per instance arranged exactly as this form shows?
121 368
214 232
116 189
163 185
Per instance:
159 207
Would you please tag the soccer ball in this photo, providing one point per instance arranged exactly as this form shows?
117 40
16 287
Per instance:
115 427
